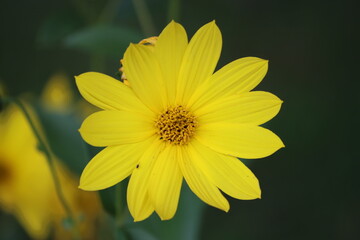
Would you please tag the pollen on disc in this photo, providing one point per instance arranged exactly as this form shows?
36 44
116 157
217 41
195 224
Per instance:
176 125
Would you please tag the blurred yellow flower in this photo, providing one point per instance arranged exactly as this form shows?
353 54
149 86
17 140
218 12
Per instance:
178 119
58 96
57 93
26 185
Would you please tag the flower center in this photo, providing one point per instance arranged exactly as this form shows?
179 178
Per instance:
176 125
5 173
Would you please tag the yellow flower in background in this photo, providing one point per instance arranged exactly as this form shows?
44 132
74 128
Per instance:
25 180
177 119
57 93
26 185
58 96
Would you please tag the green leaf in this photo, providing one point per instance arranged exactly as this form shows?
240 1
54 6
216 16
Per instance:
107 197
140 234
103 40
114 199
121 235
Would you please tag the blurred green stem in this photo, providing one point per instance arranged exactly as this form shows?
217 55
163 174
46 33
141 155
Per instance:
109 12
49 156
84 10
174 10
144 17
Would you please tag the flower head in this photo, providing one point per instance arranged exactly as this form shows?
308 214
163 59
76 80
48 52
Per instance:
178 119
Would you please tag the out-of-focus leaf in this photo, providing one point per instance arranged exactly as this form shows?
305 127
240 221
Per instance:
107 197
103 40
140 234
107 227
56 27
61 131
114 198
10 228
120 235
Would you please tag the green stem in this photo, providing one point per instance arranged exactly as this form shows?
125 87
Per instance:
84 10
144 17
48 154
174 10
109 12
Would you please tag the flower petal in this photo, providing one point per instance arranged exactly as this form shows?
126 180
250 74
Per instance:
144 75
138 199
227 173
108 93
239 140
199 183
107 128
33 217
111 165
199 61
239 76
170 49
165 183
251 107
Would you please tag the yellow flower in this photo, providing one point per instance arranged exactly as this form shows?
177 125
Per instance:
57 94
24 176
150 42
26 185
177 119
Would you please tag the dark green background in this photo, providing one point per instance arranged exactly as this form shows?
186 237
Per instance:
310 188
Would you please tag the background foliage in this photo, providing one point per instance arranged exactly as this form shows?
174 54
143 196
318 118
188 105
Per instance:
310 188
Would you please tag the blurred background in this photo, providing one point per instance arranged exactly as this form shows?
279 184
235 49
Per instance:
310 189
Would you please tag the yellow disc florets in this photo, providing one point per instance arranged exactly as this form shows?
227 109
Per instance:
176 125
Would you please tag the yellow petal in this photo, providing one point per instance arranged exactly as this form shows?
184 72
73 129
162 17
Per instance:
239 76
108 93
144 75
170 49
138 200
238 140
165 183
107 128
251 107
34 219
111 165
199 61
227 173
199 183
